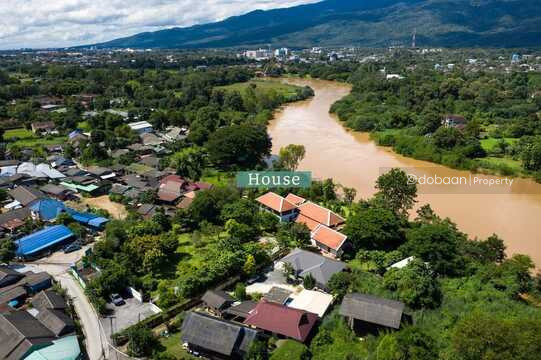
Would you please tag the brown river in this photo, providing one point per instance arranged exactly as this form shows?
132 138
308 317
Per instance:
476 203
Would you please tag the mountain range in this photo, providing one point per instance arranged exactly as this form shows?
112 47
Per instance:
364 23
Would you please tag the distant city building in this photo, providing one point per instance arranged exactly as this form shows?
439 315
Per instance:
260 54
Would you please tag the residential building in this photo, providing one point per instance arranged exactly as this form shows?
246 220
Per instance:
141 127
46 127
44 239
282 321
217 301
364 311
278 206
456 121
316 302
21 334
319 267
215 337
312 215
328 240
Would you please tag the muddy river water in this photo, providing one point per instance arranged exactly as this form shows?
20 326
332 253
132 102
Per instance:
480 205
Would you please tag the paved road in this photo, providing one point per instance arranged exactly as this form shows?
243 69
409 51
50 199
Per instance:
58 266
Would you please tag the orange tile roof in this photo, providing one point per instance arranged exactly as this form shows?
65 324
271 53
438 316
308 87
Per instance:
275 202
311 224
329 237
294 199
320 214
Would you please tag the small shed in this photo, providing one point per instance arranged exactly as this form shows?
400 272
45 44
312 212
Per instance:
373 310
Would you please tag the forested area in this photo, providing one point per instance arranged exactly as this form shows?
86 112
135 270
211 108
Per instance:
501 110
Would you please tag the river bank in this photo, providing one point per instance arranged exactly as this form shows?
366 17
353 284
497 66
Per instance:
354 160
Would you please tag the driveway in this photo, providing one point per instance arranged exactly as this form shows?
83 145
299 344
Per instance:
126 315
57 265
272 278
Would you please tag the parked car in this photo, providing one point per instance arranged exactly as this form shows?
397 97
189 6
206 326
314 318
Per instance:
117 300
72 247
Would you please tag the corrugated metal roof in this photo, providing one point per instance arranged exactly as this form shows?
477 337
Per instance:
66 348
42 239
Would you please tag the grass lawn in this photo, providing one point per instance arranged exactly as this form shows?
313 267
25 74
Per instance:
289 350
20 133
286 90
173 347
34 142
490 143
83 125
505 166
217 178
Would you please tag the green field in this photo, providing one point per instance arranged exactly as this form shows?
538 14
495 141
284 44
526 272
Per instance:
264 86
20 133
490 143
34 142
173 347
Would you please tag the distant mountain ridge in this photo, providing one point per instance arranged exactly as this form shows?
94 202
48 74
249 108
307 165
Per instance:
449 23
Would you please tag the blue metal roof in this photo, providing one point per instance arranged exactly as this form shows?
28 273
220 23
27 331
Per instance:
42 239
48 209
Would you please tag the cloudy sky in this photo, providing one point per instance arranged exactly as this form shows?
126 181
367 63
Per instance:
59 23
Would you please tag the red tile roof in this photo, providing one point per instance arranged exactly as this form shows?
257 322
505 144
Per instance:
329 237
311 224
320 214
294 199
275 202
171 188
280 319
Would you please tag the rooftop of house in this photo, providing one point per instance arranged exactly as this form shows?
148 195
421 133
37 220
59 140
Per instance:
25 194
320 267
373 309
294 199
49 299
280 319
312 301
19 332
277 295
216 335
329 237
276 202
217 299
320 214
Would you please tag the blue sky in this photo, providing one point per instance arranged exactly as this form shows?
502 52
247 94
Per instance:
59 23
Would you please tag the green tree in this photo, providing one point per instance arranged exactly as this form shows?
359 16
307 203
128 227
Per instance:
397 191
309 282
239 145
291 156
7 250
373 228
249 266
411 343
189 162
141 341
439 244
416 285
484 336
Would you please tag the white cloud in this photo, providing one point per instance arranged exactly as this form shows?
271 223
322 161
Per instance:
59 23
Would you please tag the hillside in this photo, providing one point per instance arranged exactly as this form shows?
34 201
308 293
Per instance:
451 23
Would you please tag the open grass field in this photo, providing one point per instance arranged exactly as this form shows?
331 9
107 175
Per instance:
490 143
172 346
26 138
20 133
264 86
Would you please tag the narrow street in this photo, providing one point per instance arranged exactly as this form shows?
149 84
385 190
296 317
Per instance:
57 266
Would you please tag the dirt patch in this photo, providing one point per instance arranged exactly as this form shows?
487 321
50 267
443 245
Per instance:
117 211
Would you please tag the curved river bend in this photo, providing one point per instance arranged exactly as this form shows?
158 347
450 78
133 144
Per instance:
353 160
